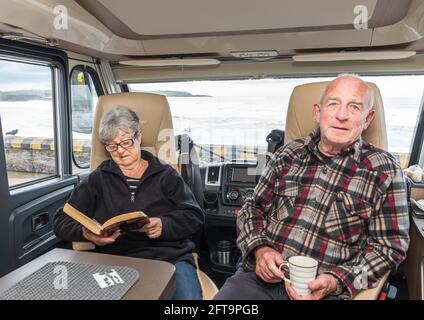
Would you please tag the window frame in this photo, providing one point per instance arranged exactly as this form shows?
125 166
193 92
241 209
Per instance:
87 70
417 150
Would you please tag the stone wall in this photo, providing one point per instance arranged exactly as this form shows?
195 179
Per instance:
37 155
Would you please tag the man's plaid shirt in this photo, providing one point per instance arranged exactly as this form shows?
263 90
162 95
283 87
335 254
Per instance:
349 212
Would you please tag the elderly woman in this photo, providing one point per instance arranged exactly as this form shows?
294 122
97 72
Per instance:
136 180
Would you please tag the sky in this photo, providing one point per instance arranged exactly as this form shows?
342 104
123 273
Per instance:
390 86
23 76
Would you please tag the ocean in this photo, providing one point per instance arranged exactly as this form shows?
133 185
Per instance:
215 120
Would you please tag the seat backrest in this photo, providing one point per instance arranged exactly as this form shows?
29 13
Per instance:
300 121
157 134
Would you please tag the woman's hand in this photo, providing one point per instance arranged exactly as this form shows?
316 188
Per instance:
100 240
153 229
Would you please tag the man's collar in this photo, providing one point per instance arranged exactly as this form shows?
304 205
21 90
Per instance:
311 144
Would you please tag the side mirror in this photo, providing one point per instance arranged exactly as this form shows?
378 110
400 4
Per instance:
275 140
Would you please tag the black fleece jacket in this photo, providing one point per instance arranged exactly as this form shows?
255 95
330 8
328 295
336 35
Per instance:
161 193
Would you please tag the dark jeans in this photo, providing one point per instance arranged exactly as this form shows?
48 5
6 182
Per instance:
248 286
187 282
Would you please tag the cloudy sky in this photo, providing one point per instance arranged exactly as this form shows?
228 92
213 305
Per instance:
20 76
390 86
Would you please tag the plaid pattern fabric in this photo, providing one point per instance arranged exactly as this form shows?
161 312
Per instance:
349 212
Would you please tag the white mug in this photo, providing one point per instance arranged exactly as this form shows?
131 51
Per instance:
302 270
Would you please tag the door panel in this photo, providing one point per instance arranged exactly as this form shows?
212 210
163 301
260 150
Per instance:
35 149
32 224
26 216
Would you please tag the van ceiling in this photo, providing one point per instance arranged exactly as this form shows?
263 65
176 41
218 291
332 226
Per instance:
162 19
192 28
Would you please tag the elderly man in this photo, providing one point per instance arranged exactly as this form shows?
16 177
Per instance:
359 228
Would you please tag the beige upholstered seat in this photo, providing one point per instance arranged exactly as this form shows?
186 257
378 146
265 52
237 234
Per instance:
209 288
157 137
157 134
373 293
300 122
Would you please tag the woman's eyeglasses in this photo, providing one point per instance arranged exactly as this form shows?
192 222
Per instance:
112 147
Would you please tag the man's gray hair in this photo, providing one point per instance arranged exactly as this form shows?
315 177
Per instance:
355 76
118 118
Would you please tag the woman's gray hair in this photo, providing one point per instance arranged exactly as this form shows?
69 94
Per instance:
118 118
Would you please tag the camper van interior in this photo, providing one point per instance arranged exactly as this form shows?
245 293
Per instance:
236 79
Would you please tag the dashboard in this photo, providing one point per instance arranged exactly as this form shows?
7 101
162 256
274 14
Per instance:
228 185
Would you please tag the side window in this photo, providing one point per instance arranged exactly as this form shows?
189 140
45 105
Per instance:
27 119
83 103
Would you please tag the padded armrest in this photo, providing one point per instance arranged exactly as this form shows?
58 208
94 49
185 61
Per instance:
209 288
417 191
83 245
373 293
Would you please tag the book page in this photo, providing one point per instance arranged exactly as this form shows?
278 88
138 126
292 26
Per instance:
136 218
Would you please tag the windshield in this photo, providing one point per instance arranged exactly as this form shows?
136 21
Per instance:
232 118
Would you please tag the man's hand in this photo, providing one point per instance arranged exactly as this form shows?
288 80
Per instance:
267 262
153 229
323 285
100 240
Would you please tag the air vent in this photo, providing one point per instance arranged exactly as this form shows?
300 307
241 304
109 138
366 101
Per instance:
255 55
213 176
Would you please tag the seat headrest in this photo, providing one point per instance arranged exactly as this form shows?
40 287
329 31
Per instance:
300 120
157 134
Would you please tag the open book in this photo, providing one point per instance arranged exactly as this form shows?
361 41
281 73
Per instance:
124 222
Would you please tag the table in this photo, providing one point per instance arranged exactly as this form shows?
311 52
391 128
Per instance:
414 263
157 278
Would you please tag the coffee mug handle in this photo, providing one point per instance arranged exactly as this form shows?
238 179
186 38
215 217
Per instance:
284 266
